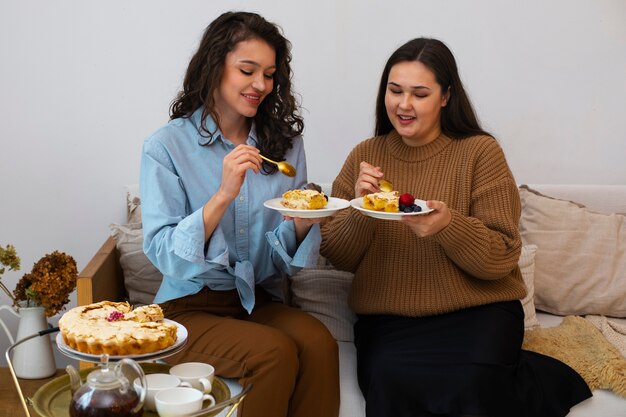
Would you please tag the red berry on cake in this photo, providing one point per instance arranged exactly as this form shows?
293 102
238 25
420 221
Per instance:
407 199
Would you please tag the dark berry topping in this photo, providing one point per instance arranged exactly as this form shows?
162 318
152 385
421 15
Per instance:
313 186
115 316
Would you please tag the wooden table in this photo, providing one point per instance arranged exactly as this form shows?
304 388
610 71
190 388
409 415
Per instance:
10 404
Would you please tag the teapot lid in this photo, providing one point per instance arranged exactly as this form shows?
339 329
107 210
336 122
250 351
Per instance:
104 379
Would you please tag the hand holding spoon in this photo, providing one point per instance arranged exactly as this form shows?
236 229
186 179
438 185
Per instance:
283 166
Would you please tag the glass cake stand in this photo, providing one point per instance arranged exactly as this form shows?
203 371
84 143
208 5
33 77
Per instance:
52 399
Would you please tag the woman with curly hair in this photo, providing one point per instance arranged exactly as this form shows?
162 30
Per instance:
222 254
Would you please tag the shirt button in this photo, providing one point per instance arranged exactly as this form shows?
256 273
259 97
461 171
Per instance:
276 243
241 198
241 231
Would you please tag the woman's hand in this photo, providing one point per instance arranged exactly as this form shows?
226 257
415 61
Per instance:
234 167
303 225
367 181
430 223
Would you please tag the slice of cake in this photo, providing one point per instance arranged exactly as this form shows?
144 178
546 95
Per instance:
304 200
382 201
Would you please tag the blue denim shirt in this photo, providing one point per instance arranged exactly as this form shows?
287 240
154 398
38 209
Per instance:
252 245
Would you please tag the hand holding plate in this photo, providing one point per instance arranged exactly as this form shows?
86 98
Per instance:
438 218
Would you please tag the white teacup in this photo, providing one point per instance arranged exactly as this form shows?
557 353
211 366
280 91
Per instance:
199 375
156 383
174 402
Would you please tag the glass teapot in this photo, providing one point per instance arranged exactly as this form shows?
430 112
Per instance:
107 391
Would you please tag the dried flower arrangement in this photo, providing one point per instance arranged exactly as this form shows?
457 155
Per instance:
49 284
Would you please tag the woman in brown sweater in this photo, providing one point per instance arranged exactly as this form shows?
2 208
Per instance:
440 324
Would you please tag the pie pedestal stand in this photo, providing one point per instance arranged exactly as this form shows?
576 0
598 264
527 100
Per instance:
233 401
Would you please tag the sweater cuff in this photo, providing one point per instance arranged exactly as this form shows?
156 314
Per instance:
456 234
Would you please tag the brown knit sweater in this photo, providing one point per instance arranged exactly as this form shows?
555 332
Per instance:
472 261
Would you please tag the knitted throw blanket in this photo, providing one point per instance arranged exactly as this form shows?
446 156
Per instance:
578 343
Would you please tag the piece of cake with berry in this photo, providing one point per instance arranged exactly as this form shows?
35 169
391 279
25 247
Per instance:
382 201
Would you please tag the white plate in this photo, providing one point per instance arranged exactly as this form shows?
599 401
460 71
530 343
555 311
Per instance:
357 203
181 339
333 206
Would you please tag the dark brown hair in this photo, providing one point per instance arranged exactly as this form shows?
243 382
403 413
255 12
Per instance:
277 120
458 119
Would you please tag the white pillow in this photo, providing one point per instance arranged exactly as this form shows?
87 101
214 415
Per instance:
323 292
580 264
527 266
141 278
133 207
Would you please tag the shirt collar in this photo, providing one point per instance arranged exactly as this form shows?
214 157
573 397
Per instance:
205 139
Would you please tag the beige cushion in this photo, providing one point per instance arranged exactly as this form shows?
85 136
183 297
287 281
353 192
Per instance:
141 278
580 264
606 199
323 292
527 266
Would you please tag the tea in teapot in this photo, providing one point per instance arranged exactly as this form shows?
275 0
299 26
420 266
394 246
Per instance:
107 391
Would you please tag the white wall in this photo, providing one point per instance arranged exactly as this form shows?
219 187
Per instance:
83 83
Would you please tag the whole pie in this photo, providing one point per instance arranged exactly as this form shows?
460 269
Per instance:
117 329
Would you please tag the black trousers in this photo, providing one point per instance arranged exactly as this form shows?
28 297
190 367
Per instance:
465 363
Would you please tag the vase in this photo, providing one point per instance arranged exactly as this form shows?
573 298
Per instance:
33 359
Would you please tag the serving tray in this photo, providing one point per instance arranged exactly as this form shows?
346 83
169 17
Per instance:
53 398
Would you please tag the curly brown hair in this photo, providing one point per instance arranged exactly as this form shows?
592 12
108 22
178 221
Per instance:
277 120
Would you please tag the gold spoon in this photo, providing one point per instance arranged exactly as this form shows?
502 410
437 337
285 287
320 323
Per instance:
283 166
385 186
